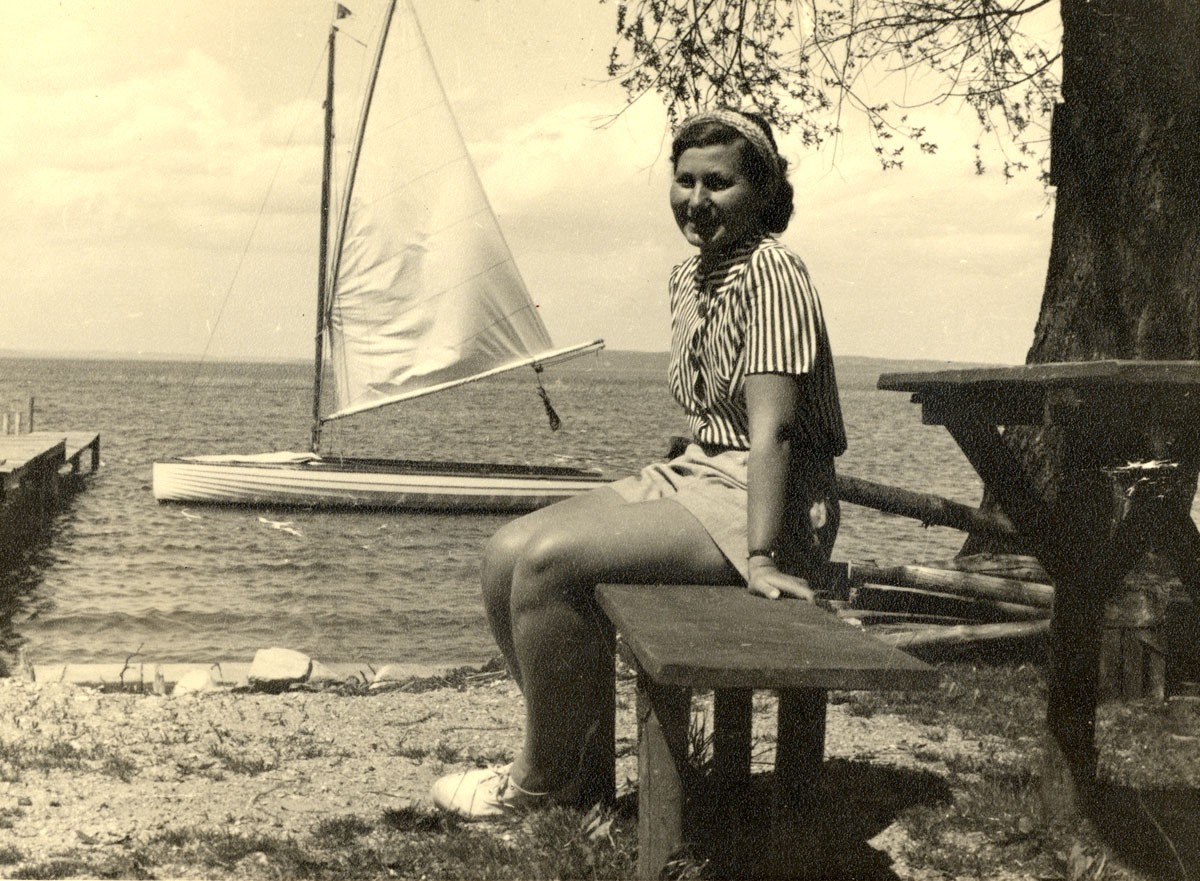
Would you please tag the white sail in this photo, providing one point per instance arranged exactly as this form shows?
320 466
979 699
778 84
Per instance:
425 292
421 294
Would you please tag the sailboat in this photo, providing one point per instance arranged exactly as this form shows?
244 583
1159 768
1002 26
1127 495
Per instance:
417 293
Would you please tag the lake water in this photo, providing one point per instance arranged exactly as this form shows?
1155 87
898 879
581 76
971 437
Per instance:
122 573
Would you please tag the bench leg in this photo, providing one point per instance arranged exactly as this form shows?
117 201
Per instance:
732 719
662 712
600 756
799 752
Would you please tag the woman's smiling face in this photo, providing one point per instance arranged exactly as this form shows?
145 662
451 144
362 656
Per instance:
715 204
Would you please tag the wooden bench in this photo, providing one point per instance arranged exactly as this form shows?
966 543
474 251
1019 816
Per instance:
725 639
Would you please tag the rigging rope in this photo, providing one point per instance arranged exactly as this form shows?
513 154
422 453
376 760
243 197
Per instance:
237 271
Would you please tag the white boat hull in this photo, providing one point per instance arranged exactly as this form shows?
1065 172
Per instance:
371 484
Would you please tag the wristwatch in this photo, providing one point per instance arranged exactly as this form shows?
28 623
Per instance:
769 553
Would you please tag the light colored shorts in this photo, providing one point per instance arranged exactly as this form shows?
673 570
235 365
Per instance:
711 485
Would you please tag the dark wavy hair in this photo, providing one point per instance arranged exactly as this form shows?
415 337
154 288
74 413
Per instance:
778 205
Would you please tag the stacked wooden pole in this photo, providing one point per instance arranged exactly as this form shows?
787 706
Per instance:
949 607
997 601
946 608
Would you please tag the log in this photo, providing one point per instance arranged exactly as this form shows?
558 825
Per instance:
968 584
1018 566
889 598
873 617
930 509
965 635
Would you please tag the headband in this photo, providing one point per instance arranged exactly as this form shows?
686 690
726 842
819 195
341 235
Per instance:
744 126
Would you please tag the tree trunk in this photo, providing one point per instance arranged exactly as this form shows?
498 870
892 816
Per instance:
1124 274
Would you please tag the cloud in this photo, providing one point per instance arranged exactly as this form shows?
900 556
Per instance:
177 151
132 188
572 149
138 142
930 261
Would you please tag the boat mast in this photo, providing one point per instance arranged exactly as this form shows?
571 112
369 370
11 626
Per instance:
355 153
323 248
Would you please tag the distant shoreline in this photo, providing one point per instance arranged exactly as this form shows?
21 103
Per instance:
638 354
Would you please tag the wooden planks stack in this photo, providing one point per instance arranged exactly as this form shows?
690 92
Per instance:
943 609
996 602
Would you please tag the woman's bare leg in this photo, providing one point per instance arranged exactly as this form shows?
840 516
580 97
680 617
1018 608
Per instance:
504 549
560 647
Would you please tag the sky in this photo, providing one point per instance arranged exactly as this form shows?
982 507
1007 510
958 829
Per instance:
150 204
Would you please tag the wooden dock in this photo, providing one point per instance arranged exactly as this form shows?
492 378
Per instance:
37 471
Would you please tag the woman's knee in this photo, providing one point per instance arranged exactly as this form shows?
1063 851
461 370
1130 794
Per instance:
548 570
500 555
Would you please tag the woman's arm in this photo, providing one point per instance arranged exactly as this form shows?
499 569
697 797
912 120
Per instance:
771 402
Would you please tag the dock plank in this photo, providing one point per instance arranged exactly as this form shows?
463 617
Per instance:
18 450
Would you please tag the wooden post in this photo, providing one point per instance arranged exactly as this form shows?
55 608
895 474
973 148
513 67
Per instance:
1132 660
1069 761
599 761
662 712
885 598
968 584
1090 560
31 413
732 721
799 753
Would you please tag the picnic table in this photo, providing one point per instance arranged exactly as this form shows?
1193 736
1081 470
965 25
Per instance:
1127 441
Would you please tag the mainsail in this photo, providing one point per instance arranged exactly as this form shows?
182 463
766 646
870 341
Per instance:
424 293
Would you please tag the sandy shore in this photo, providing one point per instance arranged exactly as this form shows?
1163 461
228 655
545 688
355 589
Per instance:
85 769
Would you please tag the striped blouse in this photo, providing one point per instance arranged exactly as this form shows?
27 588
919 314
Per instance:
754 312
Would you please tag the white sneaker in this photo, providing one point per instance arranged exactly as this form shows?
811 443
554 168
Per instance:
485 792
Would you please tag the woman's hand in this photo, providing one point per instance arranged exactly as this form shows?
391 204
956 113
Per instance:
766 580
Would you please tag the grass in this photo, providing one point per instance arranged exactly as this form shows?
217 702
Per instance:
410 843
969 812
1142 821
16 758
236 762
448 754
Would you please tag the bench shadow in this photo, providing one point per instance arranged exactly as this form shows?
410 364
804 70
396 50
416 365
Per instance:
1153 830
856 801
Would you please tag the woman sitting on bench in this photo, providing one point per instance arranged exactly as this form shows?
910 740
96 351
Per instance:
750 501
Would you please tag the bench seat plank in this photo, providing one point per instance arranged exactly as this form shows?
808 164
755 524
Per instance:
706 636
